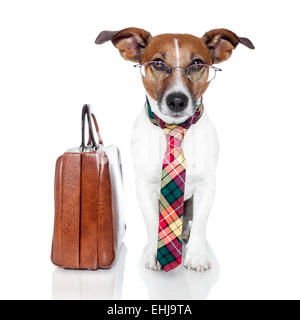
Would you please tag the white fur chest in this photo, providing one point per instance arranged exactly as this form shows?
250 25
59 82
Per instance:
200 146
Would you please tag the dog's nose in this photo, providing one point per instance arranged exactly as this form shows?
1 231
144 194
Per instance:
177 101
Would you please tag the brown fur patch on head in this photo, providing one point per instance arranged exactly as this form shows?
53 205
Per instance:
163 44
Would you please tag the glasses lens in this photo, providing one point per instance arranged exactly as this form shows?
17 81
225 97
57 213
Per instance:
201 72
155 70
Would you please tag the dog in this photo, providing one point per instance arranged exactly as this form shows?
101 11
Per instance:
174 99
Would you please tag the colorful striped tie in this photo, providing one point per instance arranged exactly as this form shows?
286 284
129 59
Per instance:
171 204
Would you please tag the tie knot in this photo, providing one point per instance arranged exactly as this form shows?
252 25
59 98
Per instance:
175 133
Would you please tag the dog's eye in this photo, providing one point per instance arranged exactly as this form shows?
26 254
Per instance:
196 65
197 61
159 65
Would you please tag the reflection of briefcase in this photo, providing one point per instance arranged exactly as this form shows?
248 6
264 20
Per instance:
86 285
88 225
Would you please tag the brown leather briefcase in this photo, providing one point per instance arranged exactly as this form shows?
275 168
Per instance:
88 225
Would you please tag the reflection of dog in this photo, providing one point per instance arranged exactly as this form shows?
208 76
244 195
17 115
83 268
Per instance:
176 69
193 285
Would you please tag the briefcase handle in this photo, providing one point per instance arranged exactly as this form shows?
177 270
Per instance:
86 113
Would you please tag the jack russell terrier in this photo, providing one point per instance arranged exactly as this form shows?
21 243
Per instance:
175 190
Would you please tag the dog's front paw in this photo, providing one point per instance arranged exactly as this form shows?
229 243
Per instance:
151 260
197 260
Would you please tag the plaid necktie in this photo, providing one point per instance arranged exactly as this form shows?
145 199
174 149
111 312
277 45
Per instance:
171 203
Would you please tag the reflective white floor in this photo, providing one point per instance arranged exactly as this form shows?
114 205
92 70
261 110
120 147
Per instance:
108 284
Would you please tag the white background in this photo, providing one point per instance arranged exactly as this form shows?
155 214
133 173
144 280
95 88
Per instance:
50 67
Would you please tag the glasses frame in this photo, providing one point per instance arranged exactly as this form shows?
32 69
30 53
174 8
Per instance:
179 67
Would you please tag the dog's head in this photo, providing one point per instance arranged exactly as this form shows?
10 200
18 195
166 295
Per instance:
176 68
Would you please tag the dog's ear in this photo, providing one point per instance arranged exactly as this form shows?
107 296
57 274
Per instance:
221 42
131 42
